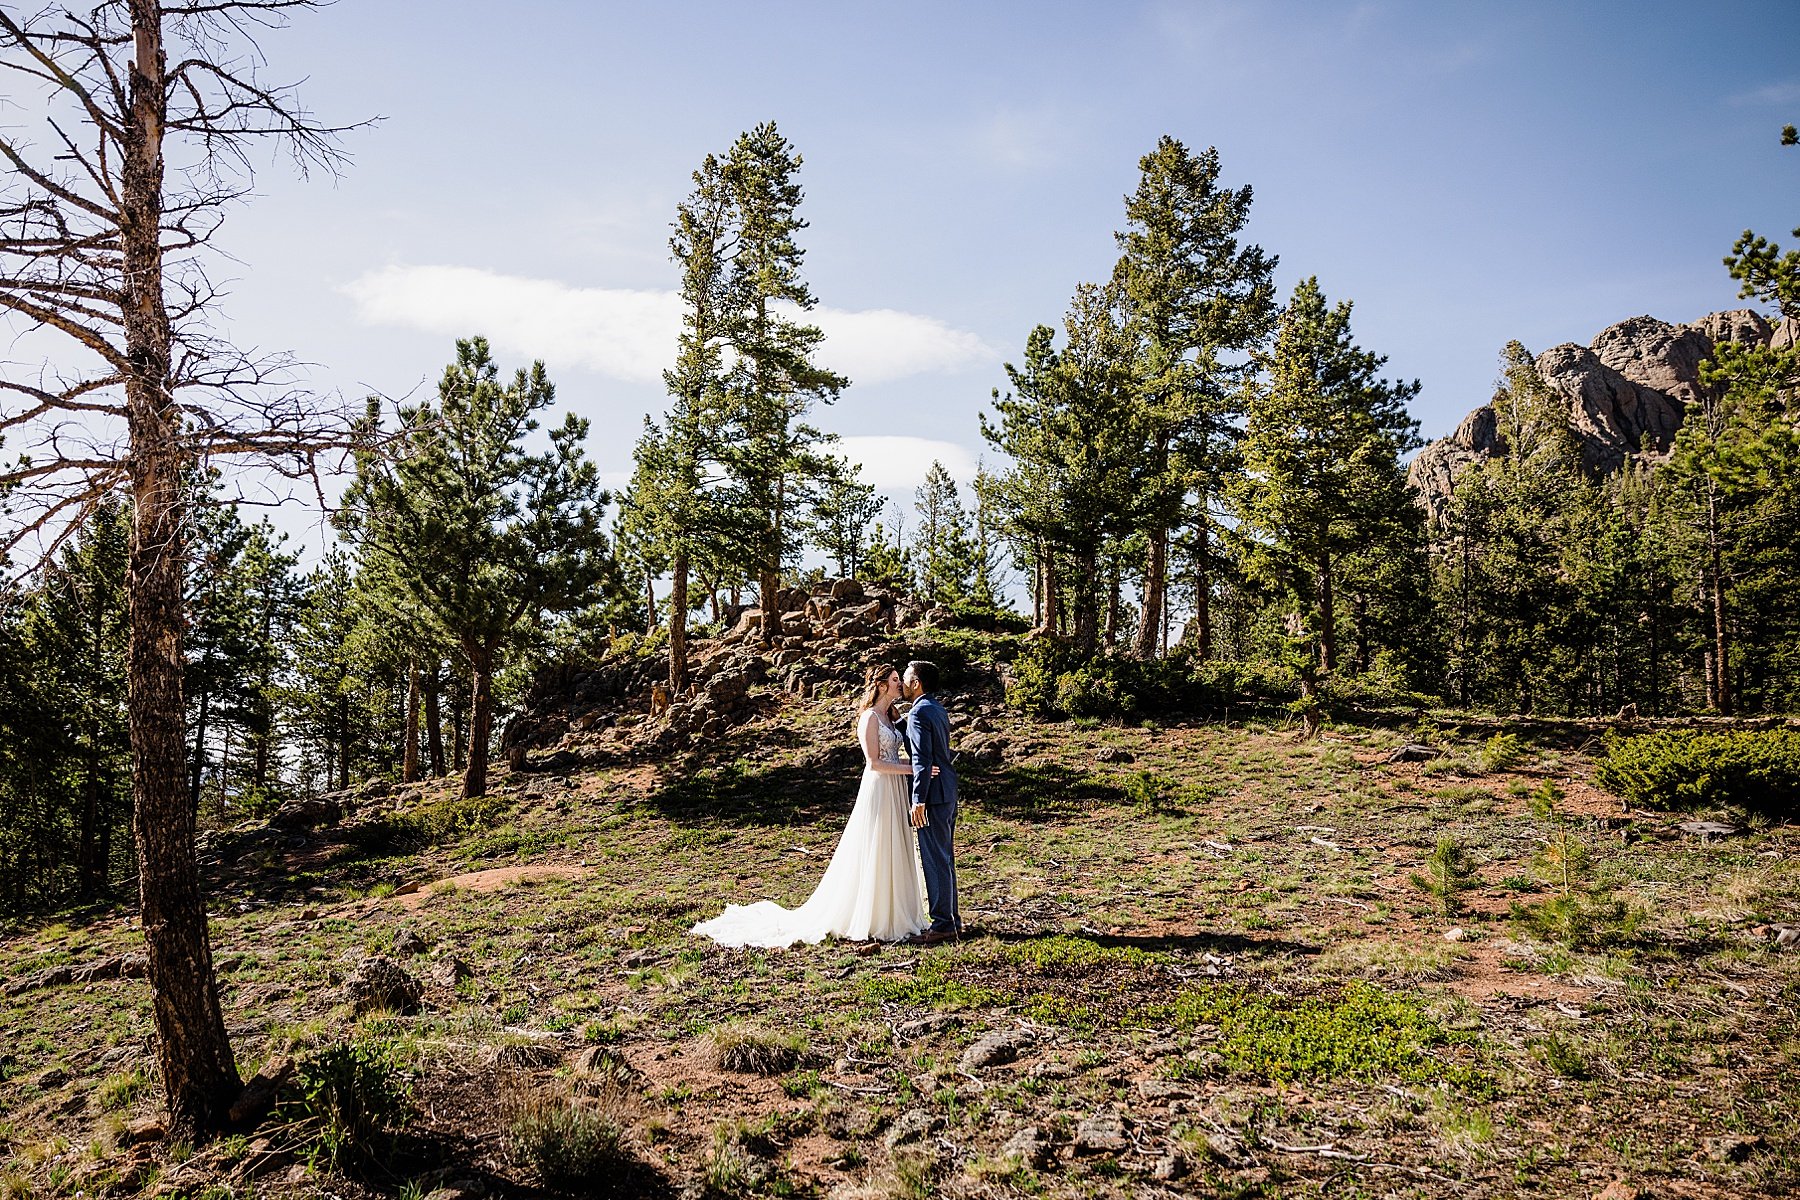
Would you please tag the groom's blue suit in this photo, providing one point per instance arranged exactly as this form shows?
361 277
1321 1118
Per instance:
928 742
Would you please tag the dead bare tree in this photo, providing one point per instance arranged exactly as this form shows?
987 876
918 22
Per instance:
144 117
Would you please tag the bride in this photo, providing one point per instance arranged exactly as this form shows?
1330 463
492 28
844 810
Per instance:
873 887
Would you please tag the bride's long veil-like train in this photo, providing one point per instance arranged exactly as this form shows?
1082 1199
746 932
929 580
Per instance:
873 888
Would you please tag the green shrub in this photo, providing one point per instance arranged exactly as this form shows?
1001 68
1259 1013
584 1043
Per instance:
757 1051
1501 752
1757 771
351 1096
1153 793
575 1146
1365 1032
427 826
1448 872
1049 680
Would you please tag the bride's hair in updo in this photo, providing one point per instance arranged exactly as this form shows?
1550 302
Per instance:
877 679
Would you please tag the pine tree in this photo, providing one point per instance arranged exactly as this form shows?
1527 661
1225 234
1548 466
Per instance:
1322 473
672 514
75 632
842 515
942 545
1200 302
1069 428
486 536
989 545
1511 529
772 382
886 557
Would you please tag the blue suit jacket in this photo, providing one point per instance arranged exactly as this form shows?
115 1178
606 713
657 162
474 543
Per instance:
928 742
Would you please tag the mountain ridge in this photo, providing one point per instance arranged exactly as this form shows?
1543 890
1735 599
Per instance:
1626 392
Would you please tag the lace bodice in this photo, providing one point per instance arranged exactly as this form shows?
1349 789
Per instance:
887 738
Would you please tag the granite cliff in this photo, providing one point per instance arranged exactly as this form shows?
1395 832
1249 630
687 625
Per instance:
1626 394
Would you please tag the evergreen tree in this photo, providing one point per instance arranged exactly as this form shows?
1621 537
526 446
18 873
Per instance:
671 515
989 545
1199 302
488 537
886 558
942 545
772 381
325 701
842 515
75 635
1069 428
1511 529
1322 474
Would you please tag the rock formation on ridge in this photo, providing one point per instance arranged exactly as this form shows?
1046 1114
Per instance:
1626 394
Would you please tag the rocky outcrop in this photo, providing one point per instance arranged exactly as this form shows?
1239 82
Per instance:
829 633
1626 396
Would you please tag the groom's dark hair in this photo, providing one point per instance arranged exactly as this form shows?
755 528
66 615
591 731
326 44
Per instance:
926 673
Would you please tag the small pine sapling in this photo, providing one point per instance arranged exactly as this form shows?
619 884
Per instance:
1448 872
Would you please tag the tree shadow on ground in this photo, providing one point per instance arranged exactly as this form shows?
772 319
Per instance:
1037 789
817 788
1170 943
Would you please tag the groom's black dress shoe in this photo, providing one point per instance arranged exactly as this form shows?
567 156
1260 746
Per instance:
930 937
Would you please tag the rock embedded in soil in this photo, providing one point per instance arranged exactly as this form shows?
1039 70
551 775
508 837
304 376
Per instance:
1709 830
995 1049
408 943
913 1125
262 1090
1172 1165
300 815
1102 1133
931 1026
1029 1146
1415 752
381 983
451 971
1732 1148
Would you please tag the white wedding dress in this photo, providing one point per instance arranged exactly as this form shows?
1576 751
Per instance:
873 888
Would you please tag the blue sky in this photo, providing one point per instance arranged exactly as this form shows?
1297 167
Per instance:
1466 173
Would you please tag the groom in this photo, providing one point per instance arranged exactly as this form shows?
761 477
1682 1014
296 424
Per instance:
933 799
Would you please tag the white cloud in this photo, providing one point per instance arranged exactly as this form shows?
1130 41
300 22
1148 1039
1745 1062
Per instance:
1772 94
878 344
1020 140
630 335
899 463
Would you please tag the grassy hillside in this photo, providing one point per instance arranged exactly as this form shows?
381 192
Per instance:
1204 967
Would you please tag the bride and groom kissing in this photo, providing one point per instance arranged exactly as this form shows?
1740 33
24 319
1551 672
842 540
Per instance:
893 875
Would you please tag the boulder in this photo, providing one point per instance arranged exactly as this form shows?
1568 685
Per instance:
995 1049
845 591
380 983
451 971
408 943
261 1092
1029 1146
1103 1133
913 1125
747 622
302 814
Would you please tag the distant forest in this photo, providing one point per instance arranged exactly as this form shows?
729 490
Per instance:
1200 485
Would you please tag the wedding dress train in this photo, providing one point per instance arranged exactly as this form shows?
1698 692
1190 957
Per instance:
873 887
